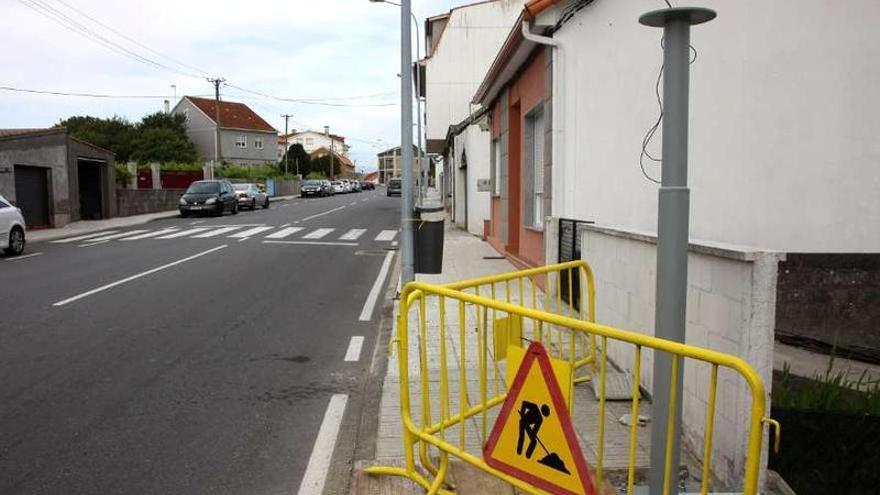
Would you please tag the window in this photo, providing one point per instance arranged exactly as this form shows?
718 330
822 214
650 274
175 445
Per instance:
258 143
3 205
534 169
310 141
496 158
241 141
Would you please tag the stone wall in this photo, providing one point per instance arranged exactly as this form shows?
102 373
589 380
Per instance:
139 201
831 300
730 308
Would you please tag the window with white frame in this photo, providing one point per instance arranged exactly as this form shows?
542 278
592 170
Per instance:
241 141
534 151
496 169
258 143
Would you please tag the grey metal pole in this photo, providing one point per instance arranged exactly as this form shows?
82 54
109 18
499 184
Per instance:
672 240
419 110
407 265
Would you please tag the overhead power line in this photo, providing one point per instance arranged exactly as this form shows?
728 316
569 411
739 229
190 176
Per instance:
59 17
306 101
85 95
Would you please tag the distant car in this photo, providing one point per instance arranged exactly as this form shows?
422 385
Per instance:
356 186
12 228
338 187
394 187
311 188
367 185
208 196
328 188
250 195
347 184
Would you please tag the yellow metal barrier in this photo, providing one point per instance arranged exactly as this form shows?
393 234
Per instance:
568 334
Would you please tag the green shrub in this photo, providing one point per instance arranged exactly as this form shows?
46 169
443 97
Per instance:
316 176
123 176
827 393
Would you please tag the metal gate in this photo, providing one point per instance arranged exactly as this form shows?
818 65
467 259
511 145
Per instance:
570 250
32 195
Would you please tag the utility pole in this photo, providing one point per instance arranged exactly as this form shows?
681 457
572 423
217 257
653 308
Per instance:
327 133
286 142
672 242
216 82
407 265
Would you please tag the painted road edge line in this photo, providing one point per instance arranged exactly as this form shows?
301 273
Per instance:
370 303
136 276
353 354
24 256
322 453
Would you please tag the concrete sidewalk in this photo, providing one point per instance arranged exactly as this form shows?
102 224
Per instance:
465 257
89 226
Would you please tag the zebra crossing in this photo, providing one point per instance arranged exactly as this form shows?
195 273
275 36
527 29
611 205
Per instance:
240 232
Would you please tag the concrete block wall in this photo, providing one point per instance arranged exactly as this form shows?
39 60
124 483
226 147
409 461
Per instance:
731 306
139 201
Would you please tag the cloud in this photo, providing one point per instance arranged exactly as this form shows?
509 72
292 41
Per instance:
292 48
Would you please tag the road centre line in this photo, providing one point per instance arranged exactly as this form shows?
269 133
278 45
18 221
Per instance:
353 353
23 257
370 303
93 243
136 276
314 243
322 214
322 453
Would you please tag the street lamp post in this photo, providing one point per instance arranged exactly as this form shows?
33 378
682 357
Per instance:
407 266
327 133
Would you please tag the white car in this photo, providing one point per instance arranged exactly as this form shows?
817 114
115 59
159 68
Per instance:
338 187
12 228
347 184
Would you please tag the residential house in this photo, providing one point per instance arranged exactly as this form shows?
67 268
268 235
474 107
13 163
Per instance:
312 141
55 178
345 165
245 138
461 45
783 176
390 164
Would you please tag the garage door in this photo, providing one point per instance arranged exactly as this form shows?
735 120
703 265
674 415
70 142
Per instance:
32 195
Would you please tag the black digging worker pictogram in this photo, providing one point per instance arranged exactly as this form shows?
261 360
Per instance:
530 419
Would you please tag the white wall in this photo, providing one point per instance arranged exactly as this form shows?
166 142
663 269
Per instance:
319 140
476 144
784 122
731 306
467 48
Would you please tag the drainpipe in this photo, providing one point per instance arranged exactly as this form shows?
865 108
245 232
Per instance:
536 38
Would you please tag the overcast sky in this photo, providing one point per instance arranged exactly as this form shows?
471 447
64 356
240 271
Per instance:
302 49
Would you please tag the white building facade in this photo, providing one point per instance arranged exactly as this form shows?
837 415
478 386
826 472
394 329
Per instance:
461 46
312 141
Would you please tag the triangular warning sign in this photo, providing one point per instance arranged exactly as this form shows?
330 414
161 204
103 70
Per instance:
533 438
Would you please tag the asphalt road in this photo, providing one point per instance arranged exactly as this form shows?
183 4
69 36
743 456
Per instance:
178 366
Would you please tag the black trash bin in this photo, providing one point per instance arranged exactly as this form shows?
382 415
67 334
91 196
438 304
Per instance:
428 239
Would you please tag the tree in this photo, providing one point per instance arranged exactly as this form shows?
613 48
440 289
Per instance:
322 164
114 134
296 156
162 145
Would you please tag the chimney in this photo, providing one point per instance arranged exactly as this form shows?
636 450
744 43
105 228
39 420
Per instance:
167 107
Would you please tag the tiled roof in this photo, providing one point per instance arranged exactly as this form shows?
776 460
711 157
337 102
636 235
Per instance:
232 115
15 132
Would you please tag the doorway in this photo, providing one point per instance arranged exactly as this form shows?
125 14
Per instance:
91 198
32 195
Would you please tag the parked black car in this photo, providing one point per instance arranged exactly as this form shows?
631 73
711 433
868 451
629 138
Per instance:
311 188
208 196
394 187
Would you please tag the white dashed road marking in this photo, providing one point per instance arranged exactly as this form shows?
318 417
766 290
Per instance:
250 232
317 234
183 233
215 232
352 235
149 234
281 234
386 235
81 237
322 453
353 354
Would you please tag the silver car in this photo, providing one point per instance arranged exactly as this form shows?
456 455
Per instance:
12 228
250 196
